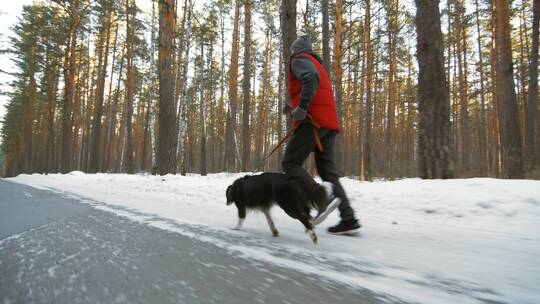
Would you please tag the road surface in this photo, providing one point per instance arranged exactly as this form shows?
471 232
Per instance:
56 249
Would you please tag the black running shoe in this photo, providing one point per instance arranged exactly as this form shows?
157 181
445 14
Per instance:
345 227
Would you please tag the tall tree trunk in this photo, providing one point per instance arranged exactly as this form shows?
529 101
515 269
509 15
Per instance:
181 62
183 106
246 144
522 73
181 82
288 35
508 112
281 93
483 122
149 122
261 123
338 54
167 113
389 145
464 111
201 108
230 141
495 160
433 103
212 105
128 156
377 116
82 111
108 117
113 113
411 115
69 79
358 96
222 112
532 149
52 87
95 156
325 35
461 53
338 73
121 139
28 123
366 128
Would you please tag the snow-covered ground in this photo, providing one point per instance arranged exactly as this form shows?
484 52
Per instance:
426 241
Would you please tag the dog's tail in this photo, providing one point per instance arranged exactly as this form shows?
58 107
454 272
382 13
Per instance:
319 199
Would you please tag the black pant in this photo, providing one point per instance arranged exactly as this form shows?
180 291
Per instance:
299 147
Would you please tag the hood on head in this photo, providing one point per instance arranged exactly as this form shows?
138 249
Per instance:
302 44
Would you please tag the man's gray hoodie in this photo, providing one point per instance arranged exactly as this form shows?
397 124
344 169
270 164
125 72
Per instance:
303 69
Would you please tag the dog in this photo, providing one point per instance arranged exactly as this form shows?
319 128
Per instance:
263 191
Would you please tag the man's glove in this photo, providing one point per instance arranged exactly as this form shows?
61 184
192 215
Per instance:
287 109
298 114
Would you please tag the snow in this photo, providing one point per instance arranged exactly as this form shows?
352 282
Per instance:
425 241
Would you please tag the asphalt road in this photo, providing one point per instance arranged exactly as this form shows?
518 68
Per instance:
55 249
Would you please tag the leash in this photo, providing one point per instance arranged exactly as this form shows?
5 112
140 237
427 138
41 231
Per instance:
291 132
315 133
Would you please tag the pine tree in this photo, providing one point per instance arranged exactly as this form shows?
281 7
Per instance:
246 144
66 157
167 114
106 8
506 100
230 140
433 104
532 131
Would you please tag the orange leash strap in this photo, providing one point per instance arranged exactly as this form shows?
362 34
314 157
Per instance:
315 133
317 139
280 142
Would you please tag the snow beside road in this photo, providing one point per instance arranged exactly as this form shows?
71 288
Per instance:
426 241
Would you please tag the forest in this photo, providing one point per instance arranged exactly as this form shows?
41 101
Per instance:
426 88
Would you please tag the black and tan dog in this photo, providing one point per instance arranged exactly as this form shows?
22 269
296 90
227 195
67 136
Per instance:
261 192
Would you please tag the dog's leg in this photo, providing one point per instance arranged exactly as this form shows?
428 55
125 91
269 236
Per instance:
241 216
313 236
239 224
270 222
310 229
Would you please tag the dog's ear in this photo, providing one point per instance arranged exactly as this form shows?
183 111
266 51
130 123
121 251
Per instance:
229 195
